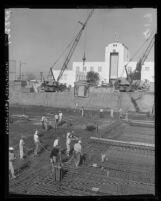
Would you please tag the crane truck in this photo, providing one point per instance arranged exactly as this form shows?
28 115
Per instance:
132 82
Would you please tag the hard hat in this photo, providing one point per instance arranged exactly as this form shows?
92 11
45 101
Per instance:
11 148
79 141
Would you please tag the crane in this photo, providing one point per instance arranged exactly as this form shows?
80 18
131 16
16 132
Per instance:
71 51
136 75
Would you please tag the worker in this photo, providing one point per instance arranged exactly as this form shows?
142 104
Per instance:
11 159
103 157
56 121
76 107
101 113
55 152
120 113
56 142
42 121
148 115
36 141
82 111
21 147
77 153
73 137
153 111
56 162
111 113
126 116
68 143
60 116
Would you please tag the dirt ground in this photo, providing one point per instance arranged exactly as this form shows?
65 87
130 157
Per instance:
126 170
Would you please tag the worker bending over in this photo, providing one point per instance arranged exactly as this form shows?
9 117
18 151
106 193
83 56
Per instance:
11 159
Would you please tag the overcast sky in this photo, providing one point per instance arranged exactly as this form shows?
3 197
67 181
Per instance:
39 36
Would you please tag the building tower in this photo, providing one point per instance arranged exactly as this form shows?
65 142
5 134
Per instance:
116 55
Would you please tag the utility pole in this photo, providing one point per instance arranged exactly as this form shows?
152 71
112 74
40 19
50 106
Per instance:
21 63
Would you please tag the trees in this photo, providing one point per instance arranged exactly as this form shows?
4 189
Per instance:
92 77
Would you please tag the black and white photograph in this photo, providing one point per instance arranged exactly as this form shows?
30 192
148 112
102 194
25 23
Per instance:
81 101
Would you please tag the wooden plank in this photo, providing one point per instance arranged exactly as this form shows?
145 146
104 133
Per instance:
122 142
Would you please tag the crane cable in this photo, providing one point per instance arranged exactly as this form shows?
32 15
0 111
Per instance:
65 48
85 41
63 52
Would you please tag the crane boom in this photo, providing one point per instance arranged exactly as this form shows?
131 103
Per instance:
74 45
137 73
147 51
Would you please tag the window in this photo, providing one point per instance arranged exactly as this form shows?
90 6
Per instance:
99 68
91 68
147 68
77 68
84 68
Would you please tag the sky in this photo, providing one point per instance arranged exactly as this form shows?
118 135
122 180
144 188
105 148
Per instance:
39 36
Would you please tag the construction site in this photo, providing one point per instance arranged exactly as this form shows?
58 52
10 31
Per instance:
118 152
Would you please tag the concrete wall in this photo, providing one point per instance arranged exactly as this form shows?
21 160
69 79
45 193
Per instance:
94 101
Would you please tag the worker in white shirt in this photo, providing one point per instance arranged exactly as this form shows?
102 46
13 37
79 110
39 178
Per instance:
60 116
36 141
82 111
120 113
11 159
77 152
21 147
101 113
68 143
56 142
111 113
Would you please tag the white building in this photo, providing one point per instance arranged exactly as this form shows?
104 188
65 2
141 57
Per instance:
116 57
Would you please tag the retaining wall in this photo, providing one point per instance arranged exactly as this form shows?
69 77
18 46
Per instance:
94 101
